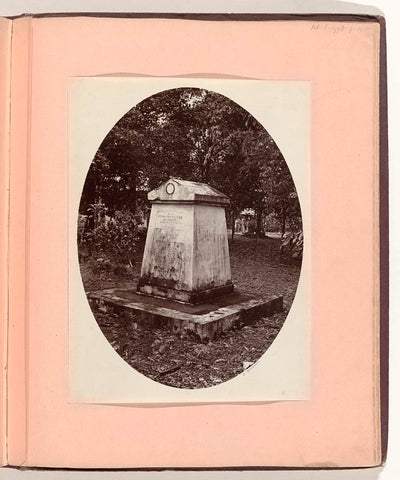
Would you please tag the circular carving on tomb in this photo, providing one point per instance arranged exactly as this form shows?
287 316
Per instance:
185 259
170 188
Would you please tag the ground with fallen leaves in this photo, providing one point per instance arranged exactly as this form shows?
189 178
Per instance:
182 360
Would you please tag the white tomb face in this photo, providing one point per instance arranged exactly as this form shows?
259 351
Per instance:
186 256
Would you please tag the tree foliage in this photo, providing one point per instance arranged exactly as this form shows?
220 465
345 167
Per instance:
197 135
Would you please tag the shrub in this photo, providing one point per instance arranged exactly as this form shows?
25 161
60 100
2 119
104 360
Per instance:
113 238
292 246
271 223
252 226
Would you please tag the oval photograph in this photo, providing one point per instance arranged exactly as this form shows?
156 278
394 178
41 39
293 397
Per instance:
190 238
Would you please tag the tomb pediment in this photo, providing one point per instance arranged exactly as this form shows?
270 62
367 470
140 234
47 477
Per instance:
185 191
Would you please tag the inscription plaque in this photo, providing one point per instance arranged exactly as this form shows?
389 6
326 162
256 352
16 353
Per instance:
170 224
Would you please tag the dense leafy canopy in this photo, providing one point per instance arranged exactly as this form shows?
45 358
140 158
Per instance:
193 134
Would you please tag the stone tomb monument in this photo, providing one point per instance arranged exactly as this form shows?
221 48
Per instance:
185 278
186 257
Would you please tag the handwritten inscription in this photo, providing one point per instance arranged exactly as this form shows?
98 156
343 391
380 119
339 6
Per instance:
337 28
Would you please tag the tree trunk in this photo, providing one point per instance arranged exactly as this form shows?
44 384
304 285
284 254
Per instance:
132 194
258 225
283 223
233 224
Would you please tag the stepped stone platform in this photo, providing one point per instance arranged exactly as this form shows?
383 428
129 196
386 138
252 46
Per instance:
207 320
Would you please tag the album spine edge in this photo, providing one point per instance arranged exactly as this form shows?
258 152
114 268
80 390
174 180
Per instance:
18 241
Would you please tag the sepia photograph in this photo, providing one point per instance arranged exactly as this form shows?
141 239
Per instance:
190 238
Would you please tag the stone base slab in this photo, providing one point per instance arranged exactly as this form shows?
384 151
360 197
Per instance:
207 321
192 298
